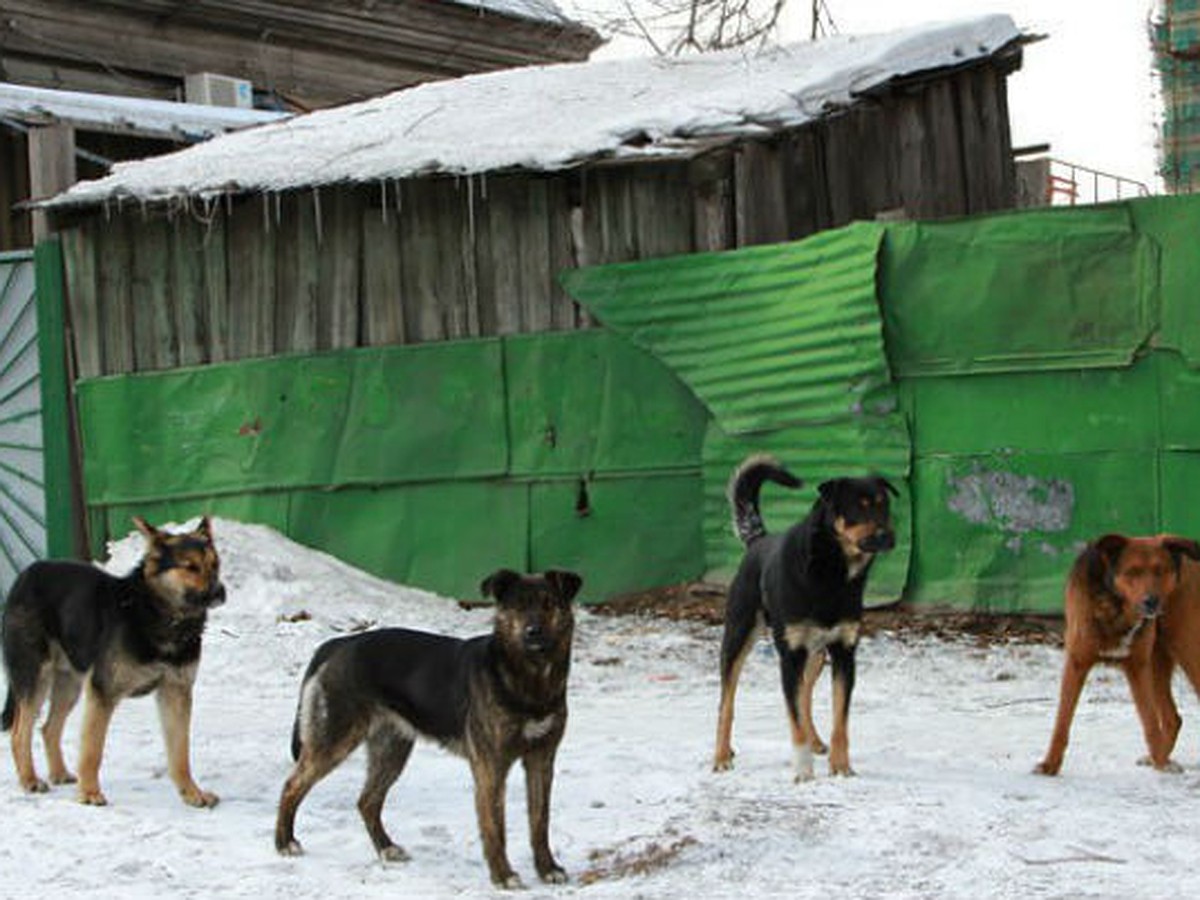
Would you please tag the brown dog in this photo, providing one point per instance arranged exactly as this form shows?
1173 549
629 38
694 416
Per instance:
1115 593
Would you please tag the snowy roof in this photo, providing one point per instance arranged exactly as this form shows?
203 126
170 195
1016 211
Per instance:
127 115
544 118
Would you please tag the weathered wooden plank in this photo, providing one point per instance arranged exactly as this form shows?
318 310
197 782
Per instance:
977 174
761 208
339 267
215 265
662 203
712 200
948 186
114 255
842 171
186 237
499 255
913 149
535 260
51 169
156 344
250 251
996 158
293 216
565 313
383 302
419 263
79 250
807 194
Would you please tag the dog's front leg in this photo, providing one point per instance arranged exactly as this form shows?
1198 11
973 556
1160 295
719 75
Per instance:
841 657
1141 685
1075 670
175 713
490 775
97 714
539 777
792 665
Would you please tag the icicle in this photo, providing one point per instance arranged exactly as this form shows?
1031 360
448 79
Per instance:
483 187
107 209
383 199
228 204
266 208
317 212
144 210
398 198
278 209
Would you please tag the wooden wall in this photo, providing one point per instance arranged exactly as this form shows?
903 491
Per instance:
441 258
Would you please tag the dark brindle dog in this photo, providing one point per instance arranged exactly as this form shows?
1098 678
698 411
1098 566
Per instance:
807 585
70 623
494 699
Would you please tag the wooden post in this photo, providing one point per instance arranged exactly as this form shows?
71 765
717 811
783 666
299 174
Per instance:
51 169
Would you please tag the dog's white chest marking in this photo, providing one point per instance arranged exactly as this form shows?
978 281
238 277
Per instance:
1121 651
814 638
856 564
536 729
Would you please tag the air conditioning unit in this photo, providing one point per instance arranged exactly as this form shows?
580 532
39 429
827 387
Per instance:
218 90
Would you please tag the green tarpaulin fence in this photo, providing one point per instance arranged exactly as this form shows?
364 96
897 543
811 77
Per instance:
1028 379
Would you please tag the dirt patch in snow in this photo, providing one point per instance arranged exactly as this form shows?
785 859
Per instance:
705 603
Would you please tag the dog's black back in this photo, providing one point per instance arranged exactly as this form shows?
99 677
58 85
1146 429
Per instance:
494 699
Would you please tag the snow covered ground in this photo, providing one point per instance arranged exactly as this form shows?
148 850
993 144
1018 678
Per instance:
943 736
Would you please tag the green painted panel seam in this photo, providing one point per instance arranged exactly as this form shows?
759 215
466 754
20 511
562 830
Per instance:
55 387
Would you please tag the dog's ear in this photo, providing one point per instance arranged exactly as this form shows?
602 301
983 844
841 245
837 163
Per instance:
498 583
1180 547
830 489
1101 555
204 529
149 532
886 485
567 584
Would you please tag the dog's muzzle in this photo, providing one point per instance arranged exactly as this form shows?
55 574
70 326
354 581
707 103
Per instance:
214 597
880 541
536 639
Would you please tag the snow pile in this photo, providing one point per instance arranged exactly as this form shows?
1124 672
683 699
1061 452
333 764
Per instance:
551 117
943 736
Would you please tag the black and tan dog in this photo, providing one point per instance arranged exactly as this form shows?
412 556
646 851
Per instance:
806 584
493 699
70 624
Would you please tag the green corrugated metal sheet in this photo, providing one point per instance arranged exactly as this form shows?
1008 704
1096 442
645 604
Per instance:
783 345
1018 291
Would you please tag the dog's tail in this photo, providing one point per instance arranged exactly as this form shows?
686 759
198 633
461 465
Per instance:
10 711
744 486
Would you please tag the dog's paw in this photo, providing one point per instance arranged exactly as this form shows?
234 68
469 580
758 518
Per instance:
510 882
723 762
1046 768
819 747
194 796
1170 767
554 875
35 786
63 777
393 854
842 771
92 797
291 848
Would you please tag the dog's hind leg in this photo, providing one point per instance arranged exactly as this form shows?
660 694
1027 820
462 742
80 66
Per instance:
1169 720
317 759
27 707
387 754
841 657
64 694
736 643
539 777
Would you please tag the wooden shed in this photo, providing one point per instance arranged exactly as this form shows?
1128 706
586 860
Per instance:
446 211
